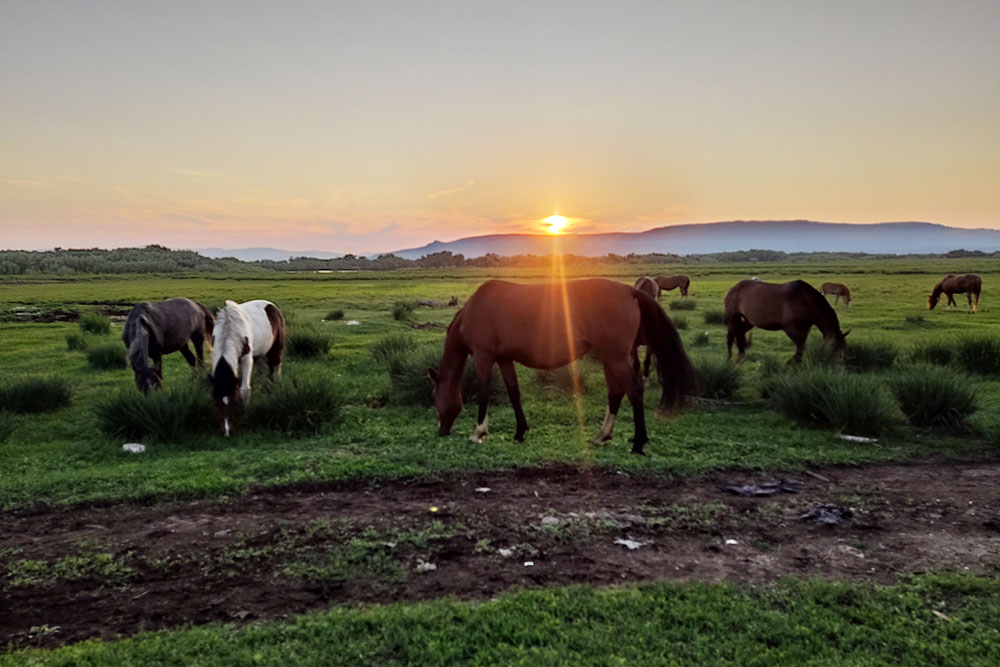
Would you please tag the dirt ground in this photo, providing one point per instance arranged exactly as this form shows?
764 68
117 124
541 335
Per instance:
268 555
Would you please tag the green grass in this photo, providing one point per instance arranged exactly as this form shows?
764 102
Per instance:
92 323
177 413
794 623
307 343
335 315
820 398
870 355
76 341
29 395
934 352
106 356
680 322
715 317
717 377
8 424
299 404
683 304
392 347
935 396
403 310
979 354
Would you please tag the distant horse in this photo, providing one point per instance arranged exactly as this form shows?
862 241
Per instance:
838 289
969 284
243 332
648 286
668 283
793 307
155 329
548 326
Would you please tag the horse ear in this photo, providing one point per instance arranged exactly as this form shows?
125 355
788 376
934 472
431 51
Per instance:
844 334
433 375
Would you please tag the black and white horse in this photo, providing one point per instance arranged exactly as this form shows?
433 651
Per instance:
243 332
155 329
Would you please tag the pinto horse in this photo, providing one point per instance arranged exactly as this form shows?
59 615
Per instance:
243 332
550 325
155 329
839 290
792 307
667 283
648 286
969 284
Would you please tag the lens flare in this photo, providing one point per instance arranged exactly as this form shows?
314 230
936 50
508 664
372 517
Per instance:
556 223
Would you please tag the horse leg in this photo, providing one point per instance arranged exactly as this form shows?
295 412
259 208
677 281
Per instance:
484 368
968 295
617 377
836 299
509 375
246 370
798 337
951 301
640 438
188 356
198 341
975 305
274 359
645 362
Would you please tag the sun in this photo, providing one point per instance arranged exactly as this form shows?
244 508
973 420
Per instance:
555 223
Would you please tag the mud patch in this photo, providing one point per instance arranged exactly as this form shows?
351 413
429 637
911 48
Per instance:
113 571
35 314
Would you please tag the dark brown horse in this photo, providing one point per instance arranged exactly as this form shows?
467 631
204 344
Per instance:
548 326
793 307
969 284
839 290
155 329
667 283
648 286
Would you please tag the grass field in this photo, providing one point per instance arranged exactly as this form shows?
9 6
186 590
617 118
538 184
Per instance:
62 460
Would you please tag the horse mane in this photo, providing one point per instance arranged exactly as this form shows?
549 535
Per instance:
231 329
136 336
935 296
828 316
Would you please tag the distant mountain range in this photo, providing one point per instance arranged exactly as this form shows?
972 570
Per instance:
898 238
788 235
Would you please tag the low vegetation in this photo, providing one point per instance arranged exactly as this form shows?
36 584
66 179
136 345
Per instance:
680 322
33 394
8 424
717 378
979 354
715 317
562 379
93 323
76 341
934 396
411 385
106 356
701 339
938 353
302 403
175 413
827 398
683 304
391 347
308 343
866 356
403 310
335 315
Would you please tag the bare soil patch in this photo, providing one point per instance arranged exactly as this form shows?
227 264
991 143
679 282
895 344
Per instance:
109 572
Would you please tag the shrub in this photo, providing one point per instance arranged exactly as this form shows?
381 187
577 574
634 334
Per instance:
701 339
715 317
683 304
95 324
940 354
8 424
934 396
402 310
680 322
306 343
561 379
171 414
34 394
979 354
410 385
869 356
388 348
822 398
298 404
76 342
717 378
107 356
335 315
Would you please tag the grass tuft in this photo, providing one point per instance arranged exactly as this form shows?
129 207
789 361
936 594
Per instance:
107 356
680 322
95 324
169 415
683 304
307 343
937 353
76 342
403 310
701 339
717 378
28 395
335 315
715 317
870 356
561 379
823 398
411 386
934 396
389 348
298 404
8 424
979 354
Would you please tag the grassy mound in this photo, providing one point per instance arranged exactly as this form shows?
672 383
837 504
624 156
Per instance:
701 339
870 356
95 324
298 404
107 356
934 396
388 348
715 317
306 343
410 385
335 315
683 304
717 378
680 322
824 398
979 354
938 353
175 413
403 310
34 394
76 342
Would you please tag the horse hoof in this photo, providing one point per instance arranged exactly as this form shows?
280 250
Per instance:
474 440
638 452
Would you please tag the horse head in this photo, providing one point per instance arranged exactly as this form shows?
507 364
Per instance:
147 379
447 394
225 393
837 341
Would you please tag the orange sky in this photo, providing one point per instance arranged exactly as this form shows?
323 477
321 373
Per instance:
377 126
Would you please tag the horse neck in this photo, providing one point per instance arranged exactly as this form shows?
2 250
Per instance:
455 353
138 349
229 342
826 318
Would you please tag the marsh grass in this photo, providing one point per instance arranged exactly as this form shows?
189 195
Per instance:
934 396
106 356
683 304
175 413
335 315
33 394
680 322
936 352
308 343
403 310
411 386
827 398
8 424
715 317
718 378
870 356
76 341
561 379
93 323
301 403
701 339
388 348
979 354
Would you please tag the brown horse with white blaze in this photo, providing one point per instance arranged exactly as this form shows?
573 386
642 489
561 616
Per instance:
969 284
667 283
793 307
839 290
548 326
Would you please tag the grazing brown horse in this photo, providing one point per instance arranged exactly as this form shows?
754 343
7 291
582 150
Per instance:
668 283
548 326
648 286
969 284
838 289
793 307
155 329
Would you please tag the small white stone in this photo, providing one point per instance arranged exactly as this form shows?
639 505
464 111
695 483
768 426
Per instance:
506 553
483 489
423 566
731 541
632 545
133 448
352 323
529 563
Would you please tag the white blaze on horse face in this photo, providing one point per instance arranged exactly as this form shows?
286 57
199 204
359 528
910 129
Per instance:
481 432
225 424
225 400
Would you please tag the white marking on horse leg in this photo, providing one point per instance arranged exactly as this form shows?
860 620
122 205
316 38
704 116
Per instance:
225 424
482 430
607 428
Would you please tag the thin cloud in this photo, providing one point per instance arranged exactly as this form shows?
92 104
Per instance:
192 172
445 193
29 183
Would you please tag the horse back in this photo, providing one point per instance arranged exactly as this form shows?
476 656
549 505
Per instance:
773 306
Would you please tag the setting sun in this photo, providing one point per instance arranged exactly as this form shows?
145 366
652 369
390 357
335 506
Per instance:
555 223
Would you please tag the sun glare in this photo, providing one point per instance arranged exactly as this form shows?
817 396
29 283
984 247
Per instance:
555 223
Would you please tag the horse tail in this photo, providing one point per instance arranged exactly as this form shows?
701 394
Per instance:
209 323
672 363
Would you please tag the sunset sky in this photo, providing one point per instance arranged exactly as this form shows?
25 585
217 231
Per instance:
373 126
